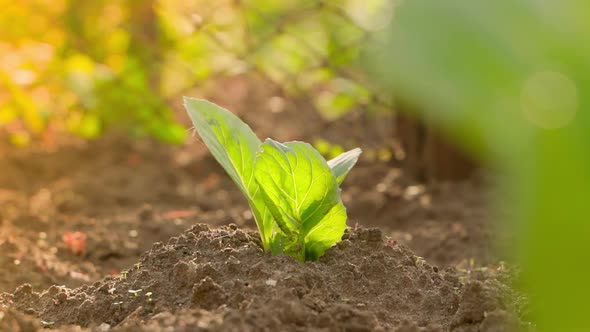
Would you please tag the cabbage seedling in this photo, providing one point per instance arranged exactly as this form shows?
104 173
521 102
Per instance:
292 191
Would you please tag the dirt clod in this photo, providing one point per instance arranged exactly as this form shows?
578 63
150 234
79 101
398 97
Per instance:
208 295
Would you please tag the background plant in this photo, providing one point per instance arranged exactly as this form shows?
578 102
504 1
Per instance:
68 66
510 80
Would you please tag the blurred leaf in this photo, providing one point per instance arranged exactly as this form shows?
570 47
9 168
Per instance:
89 126
322 146
117 41
7 114
510 80
171 133
342 97
20 139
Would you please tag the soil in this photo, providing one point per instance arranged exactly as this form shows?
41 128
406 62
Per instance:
221 280
84 223
126 195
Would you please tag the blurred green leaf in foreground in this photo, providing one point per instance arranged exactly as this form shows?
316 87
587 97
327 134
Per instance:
510 81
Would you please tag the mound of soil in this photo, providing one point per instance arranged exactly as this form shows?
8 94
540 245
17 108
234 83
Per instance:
221 280
121 196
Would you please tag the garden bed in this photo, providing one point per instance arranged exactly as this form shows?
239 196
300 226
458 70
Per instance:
125 196
221 279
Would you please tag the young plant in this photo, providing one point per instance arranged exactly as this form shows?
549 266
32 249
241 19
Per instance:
292 191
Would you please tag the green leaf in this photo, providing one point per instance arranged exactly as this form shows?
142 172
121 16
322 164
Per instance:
326 233
302 195
230 140
304 227
342 164
234 146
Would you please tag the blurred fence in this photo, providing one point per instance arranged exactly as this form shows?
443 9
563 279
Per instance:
84 67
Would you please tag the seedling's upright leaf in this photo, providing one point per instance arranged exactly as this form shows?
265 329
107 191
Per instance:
342 164
234 146
302 194
229 139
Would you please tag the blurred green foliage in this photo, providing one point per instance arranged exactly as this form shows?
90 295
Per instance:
327 149
510 81
85 67
80 67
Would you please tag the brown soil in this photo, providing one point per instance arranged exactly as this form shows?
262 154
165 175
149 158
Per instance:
220 279
80 214
124 196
